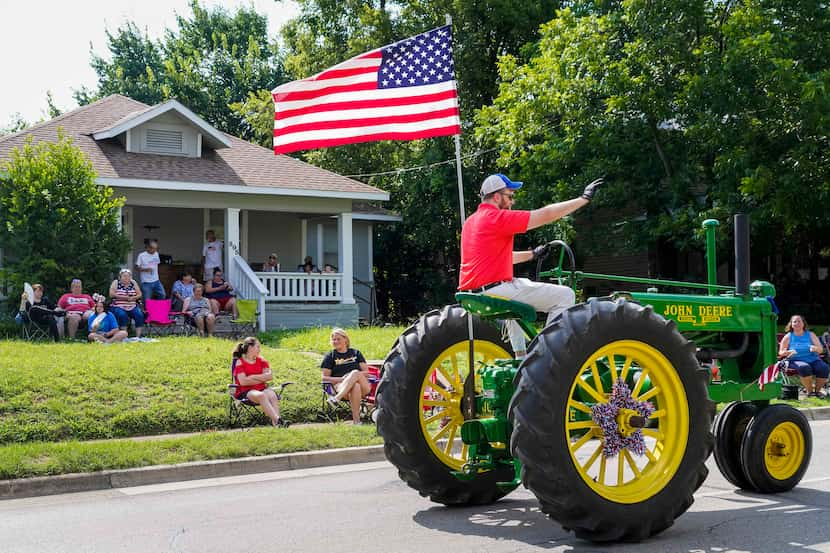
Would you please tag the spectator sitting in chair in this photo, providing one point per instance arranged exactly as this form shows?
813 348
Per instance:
346 369
79 307
103 327
182 289
251 374
801 347
125 294
197 307
41 310
219 292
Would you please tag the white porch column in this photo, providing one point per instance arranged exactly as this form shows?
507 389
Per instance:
231 240
245 215
345 255
205 223
370 257
319 255
125 219
303 239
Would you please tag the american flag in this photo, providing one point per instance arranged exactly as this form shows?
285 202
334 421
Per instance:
403 91
769 375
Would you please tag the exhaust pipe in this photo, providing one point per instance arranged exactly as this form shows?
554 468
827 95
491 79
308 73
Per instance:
741 254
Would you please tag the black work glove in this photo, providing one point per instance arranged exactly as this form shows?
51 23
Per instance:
540 252
591 189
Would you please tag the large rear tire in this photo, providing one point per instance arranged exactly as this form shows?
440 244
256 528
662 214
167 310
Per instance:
419 406
569 369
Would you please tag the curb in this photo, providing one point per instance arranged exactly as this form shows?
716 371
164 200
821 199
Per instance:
160 474
816 413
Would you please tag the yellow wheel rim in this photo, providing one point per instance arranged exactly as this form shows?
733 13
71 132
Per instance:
784 450
441 394
628 477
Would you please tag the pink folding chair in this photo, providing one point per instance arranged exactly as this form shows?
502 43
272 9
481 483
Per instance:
159 317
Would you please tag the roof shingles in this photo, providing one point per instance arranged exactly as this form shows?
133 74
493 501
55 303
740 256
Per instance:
242 164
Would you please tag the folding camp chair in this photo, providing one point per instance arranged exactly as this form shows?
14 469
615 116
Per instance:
246 324
162 321
242 410
332 412
33 330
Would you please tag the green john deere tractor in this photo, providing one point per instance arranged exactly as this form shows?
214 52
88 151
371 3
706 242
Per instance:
609 418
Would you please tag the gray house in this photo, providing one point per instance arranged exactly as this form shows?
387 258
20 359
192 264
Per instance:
181 177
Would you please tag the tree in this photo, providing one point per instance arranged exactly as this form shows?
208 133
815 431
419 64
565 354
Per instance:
16 124
691 108
211 61
57 223
416 260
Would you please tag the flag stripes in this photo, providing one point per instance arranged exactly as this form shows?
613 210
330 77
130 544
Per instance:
403 91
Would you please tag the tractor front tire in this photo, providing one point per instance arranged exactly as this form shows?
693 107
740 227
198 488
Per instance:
569 369
419 406
776 449
729 428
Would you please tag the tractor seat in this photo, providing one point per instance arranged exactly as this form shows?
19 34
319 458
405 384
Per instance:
492 307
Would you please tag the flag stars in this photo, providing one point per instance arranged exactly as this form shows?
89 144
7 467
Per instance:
423 59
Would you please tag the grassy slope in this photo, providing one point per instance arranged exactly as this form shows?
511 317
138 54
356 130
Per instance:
51 392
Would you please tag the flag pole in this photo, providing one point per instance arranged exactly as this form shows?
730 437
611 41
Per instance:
457 137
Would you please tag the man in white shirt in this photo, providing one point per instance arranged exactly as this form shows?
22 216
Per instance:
147 264
211 254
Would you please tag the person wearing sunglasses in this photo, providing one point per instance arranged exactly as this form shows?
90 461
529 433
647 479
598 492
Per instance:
487 255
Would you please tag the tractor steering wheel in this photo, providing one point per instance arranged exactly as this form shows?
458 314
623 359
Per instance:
571 261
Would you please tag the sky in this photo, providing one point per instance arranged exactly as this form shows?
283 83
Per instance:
45 44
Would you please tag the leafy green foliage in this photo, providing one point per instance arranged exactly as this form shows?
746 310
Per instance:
416 260
213 60
691 109
57 223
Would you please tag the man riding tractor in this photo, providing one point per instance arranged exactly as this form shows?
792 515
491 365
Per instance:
487 255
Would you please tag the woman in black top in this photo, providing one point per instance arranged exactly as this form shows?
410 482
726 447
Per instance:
346 369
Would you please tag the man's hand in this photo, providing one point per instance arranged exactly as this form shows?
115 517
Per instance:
591 189
540 252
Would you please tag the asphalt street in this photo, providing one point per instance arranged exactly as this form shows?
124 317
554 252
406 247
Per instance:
366 508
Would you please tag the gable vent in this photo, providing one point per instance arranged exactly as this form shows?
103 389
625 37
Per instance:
161 140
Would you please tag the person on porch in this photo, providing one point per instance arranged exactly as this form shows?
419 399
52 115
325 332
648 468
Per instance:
147 264
182 289
211 254
219 292
272 264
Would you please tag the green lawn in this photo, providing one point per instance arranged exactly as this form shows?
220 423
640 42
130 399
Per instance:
76 391
42 459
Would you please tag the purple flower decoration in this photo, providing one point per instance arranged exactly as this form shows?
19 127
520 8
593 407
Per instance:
605 416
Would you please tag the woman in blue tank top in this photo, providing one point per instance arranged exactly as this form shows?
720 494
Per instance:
801 348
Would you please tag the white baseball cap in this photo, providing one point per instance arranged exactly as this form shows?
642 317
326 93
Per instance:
496 182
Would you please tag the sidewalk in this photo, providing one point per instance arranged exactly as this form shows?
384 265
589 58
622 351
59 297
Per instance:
109 479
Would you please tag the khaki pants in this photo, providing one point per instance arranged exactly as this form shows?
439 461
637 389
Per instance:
552 299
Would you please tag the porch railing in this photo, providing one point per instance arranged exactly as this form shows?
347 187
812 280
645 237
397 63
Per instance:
249 287
323 287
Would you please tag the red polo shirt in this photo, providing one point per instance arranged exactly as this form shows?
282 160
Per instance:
487 245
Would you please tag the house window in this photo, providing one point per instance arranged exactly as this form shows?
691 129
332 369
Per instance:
164 141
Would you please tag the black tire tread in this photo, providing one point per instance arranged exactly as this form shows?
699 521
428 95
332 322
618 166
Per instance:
544 381
398 415
729 428
755 437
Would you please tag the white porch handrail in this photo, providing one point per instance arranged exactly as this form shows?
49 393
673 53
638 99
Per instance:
249 287
304 287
